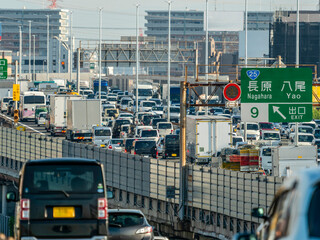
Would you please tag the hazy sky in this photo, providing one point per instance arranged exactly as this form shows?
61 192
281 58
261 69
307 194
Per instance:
119 16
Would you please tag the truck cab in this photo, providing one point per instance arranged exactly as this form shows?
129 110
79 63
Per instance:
100 135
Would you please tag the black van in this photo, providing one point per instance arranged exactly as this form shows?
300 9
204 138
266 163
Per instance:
145 147
171 146
61 198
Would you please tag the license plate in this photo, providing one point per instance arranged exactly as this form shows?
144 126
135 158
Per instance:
173 154
63 212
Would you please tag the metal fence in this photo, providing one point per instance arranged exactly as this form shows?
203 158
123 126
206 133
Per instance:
5 225
219 202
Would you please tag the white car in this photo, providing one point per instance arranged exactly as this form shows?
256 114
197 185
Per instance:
115 144
164 128
303 139
157 110
149 133
253 132
41 119
146 106
301 130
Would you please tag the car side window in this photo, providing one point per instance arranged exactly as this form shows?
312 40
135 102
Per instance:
313 214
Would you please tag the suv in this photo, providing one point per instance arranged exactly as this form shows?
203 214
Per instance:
171 146
61 198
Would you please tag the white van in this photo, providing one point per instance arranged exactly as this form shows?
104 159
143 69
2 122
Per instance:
100 135
4 103
139 128
253 133
266 158
164 128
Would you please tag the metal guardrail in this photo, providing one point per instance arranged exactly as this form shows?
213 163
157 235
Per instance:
219 202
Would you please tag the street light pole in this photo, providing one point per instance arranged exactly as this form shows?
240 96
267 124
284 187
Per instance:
30 50
34 56
137 57
297 57
169 59
70 49
48 41
100 33
206 55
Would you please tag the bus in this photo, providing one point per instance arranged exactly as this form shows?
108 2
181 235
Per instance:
28 103
104 85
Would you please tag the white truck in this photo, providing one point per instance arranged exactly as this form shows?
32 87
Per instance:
82 115
206 136
58 113
287 160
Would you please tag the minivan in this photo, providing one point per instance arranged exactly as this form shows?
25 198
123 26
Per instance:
61 198
4 103
146 148
171 146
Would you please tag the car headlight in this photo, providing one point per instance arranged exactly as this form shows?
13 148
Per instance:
144 230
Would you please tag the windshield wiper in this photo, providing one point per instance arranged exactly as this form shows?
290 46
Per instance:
57 191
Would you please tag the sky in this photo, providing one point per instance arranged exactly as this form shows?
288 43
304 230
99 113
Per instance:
119 16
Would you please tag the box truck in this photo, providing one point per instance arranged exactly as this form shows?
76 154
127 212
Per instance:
287 160
206 136
58 113
82 115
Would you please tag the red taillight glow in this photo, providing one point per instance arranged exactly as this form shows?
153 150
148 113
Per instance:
171 130
102 208
110 147
134 153
25 209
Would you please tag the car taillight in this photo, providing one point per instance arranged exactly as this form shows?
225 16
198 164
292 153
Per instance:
144 230
110 147
102 208
157 154
25 209
125 150
134 153
171 130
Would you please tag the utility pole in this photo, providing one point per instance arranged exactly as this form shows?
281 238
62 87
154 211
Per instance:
137 57
206 55
100 33
169 59
183 156
70 49
48 41
20 51
30 77
297 57
34 56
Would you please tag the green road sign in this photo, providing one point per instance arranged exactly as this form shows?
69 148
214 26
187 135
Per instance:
92 65
276 94
3 69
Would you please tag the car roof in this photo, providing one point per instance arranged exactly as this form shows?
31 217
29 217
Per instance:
124 211
62 160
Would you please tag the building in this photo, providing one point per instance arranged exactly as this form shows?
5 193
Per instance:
283 37
11 19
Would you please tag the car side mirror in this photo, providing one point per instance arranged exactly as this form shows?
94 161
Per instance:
11 197
110 194
258 213
245 236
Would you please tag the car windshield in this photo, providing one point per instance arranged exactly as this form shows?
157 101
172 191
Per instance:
266 125
252 126
305 130
144 145
175 110
271 136
33 99
5 100
145 92
125 219
172 139
77 178
266 152
305 138
157 108
112 111
116 141
149 133
102 132
125 101
148 104
112 99
236 139
156 120
164 126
